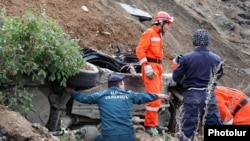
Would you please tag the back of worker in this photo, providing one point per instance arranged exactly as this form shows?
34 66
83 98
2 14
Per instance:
115 108
234 106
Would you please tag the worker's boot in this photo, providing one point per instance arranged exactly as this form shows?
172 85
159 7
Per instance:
151 130
160 129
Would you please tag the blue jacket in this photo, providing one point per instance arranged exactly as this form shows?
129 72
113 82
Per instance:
195 68
115 107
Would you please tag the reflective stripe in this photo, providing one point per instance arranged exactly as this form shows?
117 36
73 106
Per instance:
197 88
152 109
143 60
155 39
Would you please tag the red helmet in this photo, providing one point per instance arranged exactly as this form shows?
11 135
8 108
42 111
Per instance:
163 16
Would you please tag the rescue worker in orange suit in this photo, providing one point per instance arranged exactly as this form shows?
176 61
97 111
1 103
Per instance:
149 52
234 106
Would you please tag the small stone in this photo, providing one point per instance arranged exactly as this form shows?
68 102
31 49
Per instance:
84 8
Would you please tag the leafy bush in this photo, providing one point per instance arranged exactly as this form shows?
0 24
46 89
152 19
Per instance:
36 47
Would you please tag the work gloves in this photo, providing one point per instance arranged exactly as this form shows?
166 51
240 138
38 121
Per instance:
228 122
149 71
176 61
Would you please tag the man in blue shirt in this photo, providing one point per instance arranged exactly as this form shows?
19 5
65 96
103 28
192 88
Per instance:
115 107
194 71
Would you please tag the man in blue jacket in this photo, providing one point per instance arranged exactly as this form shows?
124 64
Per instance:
194 71
115 107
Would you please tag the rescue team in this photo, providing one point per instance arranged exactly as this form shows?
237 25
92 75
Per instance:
193 70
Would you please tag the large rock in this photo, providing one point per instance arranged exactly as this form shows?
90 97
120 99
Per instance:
14 127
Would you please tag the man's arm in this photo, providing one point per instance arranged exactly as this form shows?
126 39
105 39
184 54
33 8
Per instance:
68 90
81 97
140 98
163 96
226 115
178 73
143 46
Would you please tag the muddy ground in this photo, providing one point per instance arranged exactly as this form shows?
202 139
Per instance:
107 27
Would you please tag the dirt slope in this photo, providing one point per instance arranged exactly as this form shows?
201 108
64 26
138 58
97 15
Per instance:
107 27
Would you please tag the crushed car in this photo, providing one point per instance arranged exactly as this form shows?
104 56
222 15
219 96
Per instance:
57 111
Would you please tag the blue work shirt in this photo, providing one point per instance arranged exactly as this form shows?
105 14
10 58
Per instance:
115 107
195 68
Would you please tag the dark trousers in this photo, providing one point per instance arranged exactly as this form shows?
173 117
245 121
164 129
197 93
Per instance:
126 137
193 111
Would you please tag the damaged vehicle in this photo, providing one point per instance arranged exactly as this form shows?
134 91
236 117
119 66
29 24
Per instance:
57 111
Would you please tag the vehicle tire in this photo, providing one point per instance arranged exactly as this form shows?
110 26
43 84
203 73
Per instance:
172 121
56 88
85 78
53 123
164 114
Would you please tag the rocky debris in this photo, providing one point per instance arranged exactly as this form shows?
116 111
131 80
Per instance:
14 127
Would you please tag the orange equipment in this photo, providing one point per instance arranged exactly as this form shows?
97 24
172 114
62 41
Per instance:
234 106
163 16
150 51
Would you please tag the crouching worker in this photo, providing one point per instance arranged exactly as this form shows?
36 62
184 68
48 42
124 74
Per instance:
234 106
115 108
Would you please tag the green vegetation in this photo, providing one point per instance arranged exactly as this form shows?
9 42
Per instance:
37 48
70 136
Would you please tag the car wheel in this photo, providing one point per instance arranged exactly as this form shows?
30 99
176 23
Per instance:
172 121
85 78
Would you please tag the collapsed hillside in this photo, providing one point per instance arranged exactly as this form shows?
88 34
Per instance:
107 27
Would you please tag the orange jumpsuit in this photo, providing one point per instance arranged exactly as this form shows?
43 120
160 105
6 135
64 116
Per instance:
150 47
234 105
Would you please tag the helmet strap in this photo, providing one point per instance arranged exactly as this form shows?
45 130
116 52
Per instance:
162 31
